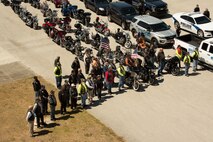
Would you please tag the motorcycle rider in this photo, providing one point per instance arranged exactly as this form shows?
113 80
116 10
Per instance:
129 62
118 34
97 22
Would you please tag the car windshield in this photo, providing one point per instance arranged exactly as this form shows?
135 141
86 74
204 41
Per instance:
102 1
159 27
128 11
202 20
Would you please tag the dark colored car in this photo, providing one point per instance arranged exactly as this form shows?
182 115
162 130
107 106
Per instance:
155 8
98 6
121 13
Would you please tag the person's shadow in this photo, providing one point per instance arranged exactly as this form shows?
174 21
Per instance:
42 132
51 125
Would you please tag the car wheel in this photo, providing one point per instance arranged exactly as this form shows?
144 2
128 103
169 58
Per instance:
109 18
177 25
148 12
123 25
154 42
200 33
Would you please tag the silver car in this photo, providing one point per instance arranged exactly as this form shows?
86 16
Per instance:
155 31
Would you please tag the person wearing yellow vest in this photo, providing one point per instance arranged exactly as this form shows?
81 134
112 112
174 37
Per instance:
179 54
195 56
82 91
121 73
187 61
58 75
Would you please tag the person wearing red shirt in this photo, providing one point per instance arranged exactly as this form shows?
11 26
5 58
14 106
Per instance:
109 77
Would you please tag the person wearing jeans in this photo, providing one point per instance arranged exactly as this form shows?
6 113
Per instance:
121 72
53 103
187 61
82 91
58 75
109 76
161 61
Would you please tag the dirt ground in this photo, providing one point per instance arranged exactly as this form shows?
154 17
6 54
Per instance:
75 126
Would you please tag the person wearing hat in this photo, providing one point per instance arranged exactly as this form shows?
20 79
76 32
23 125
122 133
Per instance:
121 73
109 77
161 61
36 86
187 61
73 95
195 56
30 119
90 87
82 91
52 103
58 75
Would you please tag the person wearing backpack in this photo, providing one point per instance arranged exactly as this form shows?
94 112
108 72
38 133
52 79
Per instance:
30 119
195 56
52 102
187 61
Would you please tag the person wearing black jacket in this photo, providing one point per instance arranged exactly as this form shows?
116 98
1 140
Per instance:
197 8
73 77
44 98
99 85
76 65
161 61
80 76
36 86
63 100
73 95
38 110
206 13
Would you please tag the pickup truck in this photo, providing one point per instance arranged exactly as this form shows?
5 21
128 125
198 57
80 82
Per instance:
205 48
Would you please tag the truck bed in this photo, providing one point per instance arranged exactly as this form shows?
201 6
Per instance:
190 39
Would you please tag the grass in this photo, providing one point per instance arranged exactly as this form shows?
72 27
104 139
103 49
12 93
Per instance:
75 126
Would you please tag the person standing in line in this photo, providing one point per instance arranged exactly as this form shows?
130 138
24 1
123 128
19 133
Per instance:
90 88
161 61
30 119
99 86
187 61
195 56
73 95
206 13
73 78
121 73
197 8
38 110
36 86
63 100
87 61
82 91
80 76
109 75
66 92
76 65
57 61
58 75
53 103
44 98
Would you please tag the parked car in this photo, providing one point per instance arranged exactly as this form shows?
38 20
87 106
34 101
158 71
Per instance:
155 30
205 48
157 8
98 6
195 23
121 13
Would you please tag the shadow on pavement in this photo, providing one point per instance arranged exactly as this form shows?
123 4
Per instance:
51 125
42 132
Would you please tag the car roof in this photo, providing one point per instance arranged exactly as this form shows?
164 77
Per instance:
148 19
120 4
192 14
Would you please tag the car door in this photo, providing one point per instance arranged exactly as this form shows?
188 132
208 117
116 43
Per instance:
203 52
145 29
185 23
115 15
93 4
210 55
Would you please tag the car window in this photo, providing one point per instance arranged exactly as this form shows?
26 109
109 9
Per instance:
204 46
184 17
128 11
159 27
102 2
190 19
143 25
202 20
211 49
134 20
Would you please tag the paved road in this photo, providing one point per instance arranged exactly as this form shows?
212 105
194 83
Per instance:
179 109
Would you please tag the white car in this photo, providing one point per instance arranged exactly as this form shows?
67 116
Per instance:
194 22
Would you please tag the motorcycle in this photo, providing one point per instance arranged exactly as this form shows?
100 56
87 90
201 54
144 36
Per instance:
5 2
48 26
45 9
64 24
78 14
122 38
133 80
59 36
85 18
147 74
15 7
68 10
35 3
96 41
82 34
118 55
102 28
32 21
172 65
